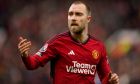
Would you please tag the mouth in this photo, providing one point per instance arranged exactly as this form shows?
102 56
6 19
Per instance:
74 24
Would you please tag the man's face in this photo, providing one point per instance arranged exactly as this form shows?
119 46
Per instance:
78 18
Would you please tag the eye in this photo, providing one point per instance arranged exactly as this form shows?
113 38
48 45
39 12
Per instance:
79 14
70 13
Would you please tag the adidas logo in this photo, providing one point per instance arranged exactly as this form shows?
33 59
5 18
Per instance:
71 53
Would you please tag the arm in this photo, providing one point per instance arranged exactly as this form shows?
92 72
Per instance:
36 60
104 71
103 68
23 47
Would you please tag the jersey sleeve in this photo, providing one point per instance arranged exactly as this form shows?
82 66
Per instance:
46 53
103 68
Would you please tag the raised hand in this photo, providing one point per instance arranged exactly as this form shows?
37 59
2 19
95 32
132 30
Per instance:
24 46
114 78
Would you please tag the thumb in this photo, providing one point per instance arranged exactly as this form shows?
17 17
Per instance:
20 38
110 75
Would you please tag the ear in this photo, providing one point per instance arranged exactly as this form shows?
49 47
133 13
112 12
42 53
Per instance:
89 18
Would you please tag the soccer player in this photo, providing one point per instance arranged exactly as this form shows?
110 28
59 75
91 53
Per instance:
75 55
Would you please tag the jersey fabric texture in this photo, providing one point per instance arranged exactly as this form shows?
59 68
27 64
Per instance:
72 62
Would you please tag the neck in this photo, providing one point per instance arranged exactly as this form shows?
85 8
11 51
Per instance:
81 37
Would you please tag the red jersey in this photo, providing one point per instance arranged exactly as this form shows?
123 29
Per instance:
72 62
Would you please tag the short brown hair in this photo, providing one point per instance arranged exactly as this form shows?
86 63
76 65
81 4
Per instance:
82 2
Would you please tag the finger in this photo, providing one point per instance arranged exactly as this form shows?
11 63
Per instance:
22 41
113 75
117 80
24 44
24 50
114 79
24 47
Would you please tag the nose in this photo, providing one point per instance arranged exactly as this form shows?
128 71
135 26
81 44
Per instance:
73 17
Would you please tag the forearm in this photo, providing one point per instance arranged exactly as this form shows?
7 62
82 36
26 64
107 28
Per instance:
105 79
30 62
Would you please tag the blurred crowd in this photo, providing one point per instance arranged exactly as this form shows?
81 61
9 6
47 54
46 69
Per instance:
115 22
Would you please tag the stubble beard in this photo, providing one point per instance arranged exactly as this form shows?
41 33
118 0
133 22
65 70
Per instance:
77 31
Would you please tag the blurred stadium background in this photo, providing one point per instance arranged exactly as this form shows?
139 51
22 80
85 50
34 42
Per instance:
116 22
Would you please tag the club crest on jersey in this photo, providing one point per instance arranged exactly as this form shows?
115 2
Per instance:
95 54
